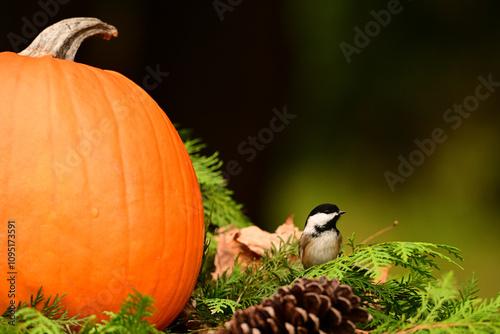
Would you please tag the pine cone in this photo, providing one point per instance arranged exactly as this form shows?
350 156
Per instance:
308 306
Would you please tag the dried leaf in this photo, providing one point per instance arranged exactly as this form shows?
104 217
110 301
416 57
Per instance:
383 273
249 244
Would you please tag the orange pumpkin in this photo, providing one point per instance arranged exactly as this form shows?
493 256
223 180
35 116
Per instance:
99 187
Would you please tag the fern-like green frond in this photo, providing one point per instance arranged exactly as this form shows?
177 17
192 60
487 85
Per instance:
132 318
417 256
247 285
35 322
220 207
441 310
219 305
29 319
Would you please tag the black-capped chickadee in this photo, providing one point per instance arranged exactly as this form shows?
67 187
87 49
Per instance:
320 241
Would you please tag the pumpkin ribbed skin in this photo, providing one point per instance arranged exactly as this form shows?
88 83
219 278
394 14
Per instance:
102 191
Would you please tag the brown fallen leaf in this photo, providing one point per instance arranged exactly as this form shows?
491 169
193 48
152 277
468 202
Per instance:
249 244
383 274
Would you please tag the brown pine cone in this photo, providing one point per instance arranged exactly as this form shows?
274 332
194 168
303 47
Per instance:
308 306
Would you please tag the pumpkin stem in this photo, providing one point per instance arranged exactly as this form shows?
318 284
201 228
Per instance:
62 39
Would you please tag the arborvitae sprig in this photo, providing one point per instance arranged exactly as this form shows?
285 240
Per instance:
419 257
247 285
397 298
52 318
220 208
442 309
414 299
132 318
51 307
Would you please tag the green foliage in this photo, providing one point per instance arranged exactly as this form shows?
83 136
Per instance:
443 309
248 285
220 208
132 318
412 301
217 305
35 322
52 317
415 298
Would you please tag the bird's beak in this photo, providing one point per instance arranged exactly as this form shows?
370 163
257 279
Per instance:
341 212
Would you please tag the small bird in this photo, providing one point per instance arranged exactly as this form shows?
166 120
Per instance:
320 241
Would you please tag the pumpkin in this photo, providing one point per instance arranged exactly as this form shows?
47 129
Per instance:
98 196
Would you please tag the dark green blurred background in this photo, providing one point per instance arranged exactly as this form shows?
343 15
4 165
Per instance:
231 66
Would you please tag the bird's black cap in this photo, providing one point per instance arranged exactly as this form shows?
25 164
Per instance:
326 208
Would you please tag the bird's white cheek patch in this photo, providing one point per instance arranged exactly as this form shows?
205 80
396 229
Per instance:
318 219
